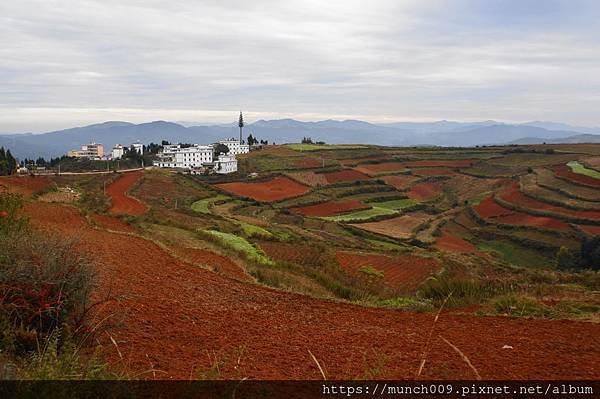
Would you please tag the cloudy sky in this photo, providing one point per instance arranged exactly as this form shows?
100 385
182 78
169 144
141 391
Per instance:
72 62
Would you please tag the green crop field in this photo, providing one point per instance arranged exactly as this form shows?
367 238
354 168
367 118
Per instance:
241 245
576 167
395 204
203 205
514 254
362 215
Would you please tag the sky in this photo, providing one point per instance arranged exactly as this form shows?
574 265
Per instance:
66 63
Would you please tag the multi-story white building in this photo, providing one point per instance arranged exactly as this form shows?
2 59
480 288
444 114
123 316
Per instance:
183 157
91 150
118 151
139 147
235 147
225 164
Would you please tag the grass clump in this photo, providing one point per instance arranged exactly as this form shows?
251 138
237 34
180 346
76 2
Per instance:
240 245
204 205
371 271
398 204
361 215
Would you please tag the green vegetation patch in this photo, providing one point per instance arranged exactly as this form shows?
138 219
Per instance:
204 205
240 244
576 167
362 215
317 147
251 230
397 204
514 254
371 271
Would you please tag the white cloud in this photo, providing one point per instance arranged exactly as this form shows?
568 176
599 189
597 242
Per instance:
90 60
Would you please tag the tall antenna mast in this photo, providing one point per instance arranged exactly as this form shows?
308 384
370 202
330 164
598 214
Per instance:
241 125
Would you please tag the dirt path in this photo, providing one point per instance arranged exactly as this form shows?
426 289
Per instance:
121 202
181 321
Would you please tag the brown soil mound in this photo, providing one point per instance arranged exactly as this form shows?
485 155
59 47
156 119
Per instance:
344 176
331 208
170 320
425 191
275 189
121 202
112 223
399 272
450 243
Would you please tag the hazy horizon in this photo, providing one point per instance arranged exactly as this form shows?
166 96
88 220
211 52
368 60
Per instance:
76 63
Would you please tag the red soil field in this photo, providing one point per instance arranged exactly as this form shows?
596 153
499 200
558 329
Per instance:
399 272
121 202
344 176
566 172
308 163
450 243
592 230
433 172
288 252
170 315
330 208
513 195
398 227
523 219
25 185
275 189
112 223
425 191
400 182
394 166
215 262
488 208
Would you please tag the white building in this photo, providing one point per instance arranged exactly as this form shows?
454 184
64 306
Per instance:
235 147
91 150
176 156
225 164
139 147
118 151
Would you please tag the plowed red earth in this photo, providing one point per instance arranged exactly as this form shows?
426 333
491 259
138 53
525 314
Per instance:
400 272
344 176
394 166
433 172
489 209
514 196
26 185
425 191
400 182
169 316
111 223
308 163
275 189
121 202
214 262
593 230
567 173
330 208
450 243
296 253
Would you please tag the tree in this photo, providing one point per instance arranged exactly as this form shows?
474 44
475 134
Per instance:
307 140
8 164
566 259
241 125
220 149
590 253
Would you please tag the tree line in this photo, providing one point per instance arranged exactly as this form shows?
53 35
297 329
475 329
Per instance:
8 164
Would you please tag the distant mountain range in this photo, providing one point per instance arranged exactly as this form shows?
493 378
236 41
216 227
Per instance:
441 133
